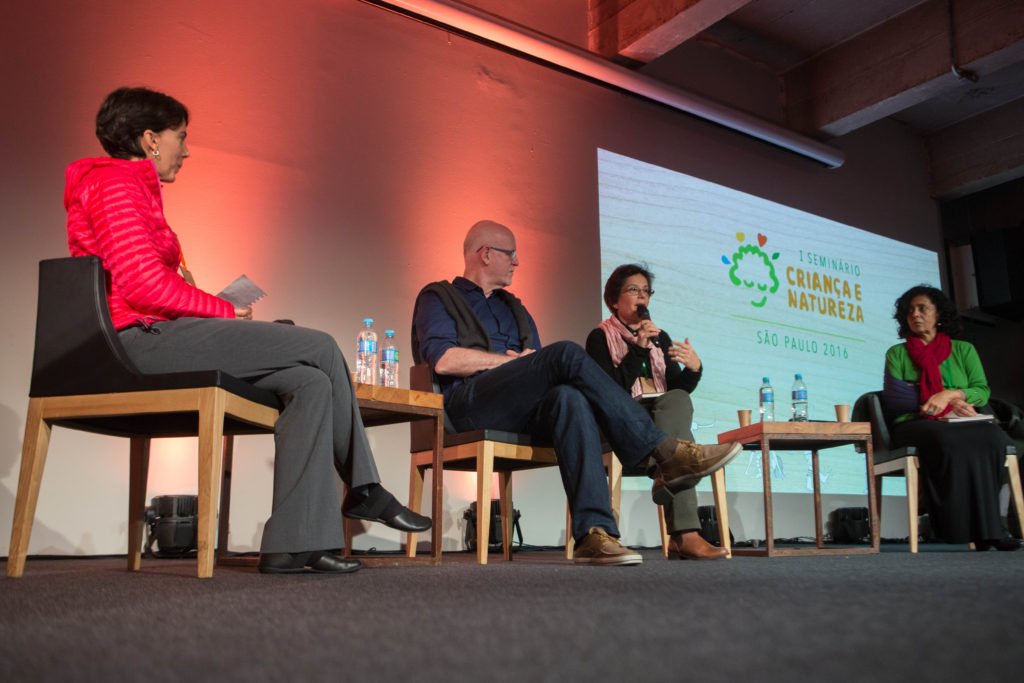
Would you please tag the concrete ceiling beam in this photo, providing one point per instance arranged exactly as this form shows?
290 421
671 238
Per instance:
643 30
978 153
902 62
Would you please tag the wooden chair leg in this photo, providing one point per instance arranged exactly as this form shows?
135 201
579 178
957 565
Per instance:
912 503
211 435
878 496
505 506
484 471
878 499
1016 495
614 469
663 529
570 542
137 479
721 510
224 518
416 477
33 460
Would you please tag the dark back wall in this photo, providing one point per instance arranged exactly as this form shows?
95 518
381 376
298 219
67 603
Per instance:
996 211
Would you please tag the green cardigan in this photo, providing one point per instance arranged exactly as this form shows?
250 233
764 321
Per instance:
962 370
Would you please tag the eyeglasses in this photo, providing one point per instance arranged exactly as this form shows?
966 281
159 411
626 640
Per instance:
511 253
633 290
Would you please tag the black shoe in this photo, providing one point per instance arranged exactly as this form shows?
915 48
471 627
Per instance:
1005 544
318 562
380 506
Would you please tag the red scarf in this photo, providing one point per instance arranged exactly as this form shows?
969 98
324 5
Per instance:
927 358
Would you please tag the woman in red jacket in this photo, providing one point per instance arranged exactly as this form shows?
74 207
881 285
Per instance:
115 212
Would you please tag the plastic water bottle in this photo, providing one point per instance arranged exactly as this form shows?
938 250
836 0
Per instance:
366 354
388 360
767 401
799 399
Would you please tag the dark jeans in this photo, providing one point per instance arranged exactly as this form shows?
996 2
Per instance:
560 395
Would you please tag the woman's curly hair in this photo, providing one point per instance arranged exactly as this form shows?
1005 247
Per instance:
948 317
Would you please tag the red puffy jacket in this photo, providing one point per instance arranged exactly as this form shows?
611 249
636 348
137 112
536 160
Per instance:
115 212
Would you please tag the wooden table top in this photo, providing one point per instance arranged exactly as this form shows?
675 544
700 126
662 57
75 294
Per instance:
799 435
399 396
387 405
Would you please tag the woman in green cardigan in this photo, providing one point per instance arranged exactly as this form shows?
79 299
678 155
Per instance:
929 379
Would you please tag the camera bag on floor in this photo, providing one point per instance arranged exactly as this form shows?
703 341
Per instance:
849 525
494 543
171 525
709 525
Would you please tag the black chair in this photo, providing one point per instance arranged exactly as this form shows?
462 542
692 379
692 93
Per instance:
83 379
891 461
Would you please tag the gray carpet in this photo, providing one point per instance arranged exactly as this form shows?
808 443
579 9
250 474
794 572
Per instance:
943 615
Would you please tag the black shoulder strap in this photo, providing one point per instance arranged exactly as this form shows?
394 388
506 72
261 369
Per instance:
470 330
527 339
472 334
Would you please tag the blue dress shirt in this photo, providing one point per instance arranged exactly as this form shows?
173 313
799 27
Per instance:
437 331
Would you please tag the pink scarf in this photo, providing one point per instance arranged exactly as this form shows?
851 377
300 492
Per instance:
619 337
927 358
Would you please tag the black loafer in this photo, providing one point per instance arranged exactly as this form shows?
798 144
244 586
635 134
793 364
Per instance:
405 520
380 506
315 562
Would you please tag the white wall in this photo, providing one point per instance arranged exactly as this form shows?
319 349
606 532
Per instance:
339 152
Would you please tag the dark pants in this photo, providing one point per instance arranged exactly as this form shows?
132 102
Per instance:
559 394
962 466
673 413
319 430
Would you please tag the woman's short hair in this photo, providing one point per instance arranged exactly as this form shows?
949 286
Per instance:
127 113
945 310
613 287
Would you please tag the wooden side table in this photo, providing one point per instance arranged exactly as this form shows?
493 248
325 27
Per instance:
805 436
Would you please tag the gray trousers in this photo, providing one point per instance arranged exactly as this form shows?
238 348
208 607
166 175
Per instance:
319 430
673 414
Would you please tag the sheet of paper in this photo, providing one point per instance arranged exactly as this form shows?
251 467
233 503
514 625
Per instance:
242 292
971 418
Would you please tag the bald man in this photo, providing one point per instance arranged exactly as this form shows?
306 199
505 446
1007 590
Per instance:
483 347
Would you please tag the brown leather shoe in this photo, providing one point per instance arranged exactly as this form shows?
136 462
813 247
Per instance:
597 547
690 461
690 545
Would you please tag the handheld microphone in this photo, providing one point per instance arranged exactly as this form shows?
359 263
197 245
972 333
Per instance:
645 314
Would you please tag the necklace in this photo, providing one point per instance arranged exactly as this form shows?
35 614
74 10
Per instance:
635 333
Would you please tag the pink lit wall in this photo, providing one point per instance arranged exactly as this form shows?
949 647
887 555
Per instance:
339 153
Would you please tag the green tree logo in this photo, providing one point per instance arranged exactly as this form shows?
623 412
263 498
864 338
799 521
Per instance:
753 269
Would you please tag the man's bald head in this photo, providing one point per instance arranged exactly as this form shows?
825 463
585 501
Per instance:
490 254
486 233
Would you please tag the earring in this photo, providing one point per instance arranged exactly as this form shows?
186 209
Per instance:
156 153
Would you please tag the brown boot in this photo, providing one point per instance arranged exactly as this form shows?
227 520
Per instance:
690 545
689 461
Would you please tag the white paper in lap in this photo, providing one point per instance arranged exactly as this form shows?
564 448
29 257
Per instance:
760 289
